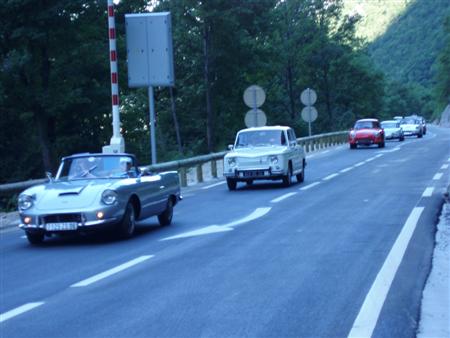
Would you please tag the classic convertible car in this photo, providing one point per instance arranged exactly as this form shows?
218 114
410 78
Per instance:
264 153
93 191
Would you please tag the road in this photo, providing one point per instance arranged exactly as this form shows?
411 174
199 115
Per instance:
344 254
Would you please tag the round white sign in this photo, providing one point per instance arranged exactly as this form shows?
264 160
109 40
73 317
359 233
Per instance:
309 114
255 118
308 97
254 96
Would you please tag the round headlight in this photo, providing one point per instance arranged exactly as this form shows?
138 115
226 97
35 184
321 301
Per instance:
25 202
231 161
273 159
109 197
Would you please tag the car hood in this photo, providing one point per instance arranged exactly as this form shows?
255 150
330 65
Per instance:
391 130
365 132
69 195
257 151
410 126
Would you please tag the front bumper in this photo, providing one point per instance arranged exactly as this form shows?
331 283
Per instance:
367 141
255 173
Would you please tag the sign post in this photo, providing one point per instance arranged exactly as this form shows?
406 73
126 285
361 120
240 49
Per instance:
309 113
254 97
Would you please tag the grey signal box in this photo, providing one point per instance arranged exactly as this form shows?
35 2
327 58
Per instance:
149 49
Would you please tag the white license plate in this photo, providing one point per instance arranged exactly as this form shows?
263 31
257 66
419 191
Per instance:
62 226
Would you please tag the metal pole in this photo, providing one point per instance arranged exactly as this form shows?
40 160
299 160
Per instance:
254 108
152 124
309 110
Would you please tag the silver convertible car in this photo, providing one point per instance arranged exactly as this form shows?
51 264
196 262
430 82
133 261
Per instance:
94 191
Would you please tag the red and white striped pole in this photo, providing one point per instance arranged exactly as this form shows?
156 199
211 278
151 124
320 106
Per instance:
117 141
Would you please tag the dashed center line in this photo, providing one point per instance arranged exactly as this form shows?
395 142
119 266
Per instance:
444 166
310 186
437 176
19 310
329 177
359 164
346 169
428 192
283 197
111 272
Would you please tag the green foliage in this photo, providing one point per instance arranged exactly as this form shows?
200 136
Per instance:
442 77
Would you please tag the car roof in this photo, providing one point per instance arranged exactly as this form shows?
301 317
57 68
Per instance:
266 128
367 120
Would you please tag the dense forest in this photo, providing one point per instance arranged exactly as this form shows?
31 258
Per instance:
55 80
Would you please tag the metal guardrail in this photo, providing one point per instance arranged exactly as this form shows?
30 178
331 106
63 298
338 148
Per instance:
309 144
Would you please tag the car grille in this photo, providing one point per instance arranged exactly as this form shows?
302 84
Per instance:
252 162
58 218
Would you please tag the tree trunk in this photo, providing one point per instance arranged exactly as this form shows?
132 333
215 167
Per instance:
209 113
175 120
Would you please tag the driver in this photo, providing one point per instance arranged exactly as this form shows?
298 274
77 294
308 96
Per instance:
84 168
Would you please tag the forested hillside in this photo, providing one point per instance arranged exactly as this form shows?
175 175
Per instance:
55 85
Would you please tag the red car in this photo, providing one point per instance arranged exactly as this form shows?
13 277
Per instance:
366 132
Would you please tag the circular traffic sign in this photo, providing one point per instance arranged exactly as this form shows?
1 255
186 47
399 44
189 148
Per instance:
309 114
308 97
255 118
254 96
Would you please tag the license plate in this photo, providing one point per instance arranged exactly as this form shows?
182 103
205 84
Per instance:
62 226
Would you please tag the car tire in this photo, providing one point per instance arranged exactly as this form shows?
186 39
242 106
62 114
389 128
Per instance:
287 179
231 183
419 135
128 225
249 182
402 138
35 237
165 218
352 146
381 145
301 176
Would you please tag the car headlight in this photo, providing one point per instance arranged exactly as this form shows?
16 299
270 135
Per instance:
231 161
273 159
109 197
25 202
352 134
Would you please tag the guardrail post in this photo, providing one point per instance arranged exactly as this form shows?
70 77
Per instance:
183 177
199 173
214 168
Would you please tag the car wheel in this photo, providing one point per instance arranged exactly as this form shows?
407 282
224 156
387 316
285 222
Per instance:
352 146
419 135
287 179
402 138
165 218
249 182
381 145
35 237
301 176
231 183
128 224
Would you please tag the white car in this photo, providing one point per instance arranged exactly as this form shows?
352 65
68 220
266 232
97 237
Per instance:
264 153
412 127
392 130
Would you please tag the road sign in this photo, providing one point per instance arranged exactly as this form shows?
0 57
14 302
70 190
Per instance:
254 96
309 114
308 97
255 118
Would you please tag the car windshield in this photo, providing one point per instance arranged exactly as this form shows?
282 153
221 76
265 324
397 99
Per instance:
366 125
389 125
260 138
410 121
96 167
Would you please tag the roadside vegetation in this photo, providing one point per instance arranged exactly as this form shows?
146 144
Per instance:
55 86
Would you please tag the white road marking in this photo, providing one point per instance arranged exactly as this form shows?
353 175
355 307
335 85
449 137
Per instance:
437 176
213 185
310 186
283 197
19 310
346 169
428 192
111 272
359 164
379 155
259 212
370 159
444 166
24 237
366 320
329 177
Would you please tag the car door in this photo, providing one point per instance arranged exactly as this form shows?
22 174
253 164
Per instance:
296 154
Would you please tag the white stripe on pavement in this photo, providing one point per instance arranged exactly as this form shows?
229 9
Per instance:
111 272
368 315
19 310
283 197
329 177
214 185
437 176
428 192
359 164
346 169
444 166
310 186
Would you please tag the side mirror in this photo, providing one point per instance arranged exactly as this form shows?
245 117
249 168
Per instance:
230 147
49 176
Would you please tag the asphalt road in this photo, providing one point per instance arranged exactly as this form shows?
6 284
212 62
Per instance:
346 253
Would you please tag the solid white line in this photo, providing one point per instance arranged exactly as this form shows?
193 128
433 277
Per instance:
214 185
283 197
112 271
310 186
329 177
428 192
370 159
437 176
379 155
368 315
346 169
359 164
17 311
444 166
